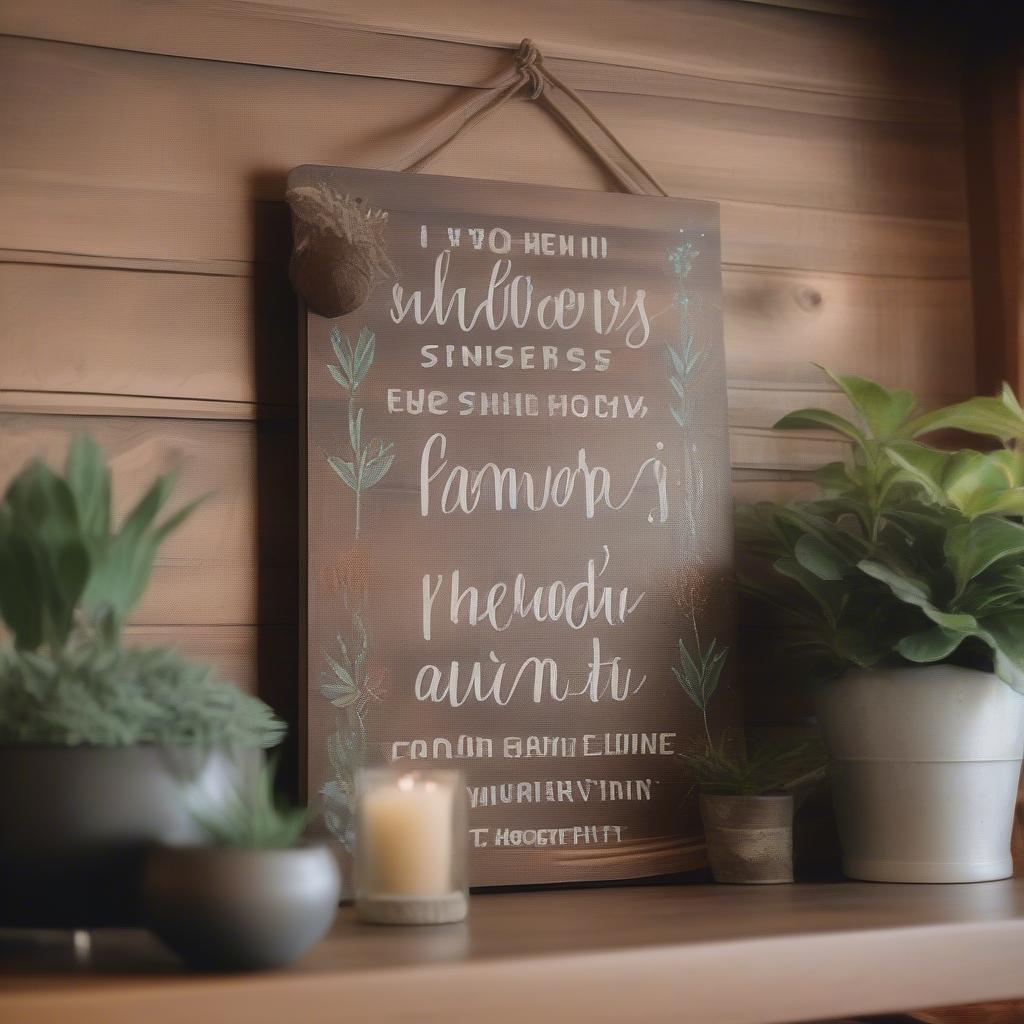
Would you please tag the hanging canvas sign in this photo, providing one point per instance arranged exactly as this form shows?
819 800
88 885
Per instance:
518 516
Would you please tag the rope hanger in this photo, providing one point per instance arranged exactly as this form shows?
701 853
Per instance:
529 74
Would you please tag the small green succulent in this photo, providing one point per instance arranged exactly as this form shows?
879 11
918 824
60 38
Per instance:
253 817
912 554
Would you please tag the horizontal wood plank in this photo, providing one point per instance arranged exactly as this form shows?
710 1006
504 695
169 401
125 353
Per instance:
62 220
223 345
722 67
235 130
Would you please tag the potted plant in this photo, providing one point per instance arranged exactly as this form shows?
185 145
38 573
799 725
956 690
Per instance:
747 805
253 895
99 742
902 587
746 796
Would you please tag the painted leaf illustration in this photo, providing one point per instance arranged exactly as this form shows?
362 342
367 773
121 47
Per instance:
355 430
376 469
341 691
363 358
346 470
371 461
342 373
339 376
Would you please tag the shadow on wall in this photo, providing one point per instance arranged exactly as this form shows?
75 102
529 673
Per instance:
276 361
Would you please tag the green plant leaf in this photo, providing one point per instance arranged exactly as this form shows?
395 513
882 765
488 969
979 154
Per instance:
974 480
883 411
124 564
834 478
915 592
924 465
820 558
973 547
1006 631
993 417
89 480
821 419
44 544
930 645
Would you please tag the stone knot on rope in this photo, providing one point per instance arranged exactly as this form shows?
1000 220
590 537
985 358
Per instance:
529 66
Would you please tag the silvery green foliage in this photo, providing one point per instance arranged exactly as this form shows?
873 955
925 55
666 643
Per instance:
913 554
118 697
68 580
253 817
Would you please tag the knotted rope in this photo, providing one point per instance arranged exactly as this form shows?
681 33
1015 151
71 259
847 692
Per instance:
339 254
529 74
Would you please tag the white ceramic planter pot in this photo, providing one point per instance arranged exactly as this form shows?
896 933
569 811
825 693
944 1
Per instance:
925 764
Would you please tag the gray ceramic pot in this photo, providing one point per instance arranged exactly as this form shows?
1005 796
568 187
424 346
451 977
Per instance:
234 909
76 822
925 765
750 838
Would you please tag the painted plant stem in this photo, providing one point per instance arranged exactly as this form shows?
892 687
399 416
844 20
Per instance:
699 672
370 462
684 356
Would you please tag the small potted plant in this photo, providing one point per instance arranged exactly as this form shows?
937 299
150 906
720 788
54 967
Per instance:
902 587
253 896
747 804
99 742
746 795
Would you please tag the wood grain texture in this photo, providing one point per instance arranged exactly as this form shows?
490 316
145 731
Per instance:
658 954
68 219
231 128
143 237
994 95
199 337
710 49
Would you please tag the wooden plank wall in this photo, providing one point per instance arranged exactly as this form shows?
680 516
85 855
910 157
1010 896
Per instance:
143 237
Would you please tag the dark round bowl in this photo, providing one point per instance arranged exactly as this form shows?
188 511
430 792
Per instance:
223 908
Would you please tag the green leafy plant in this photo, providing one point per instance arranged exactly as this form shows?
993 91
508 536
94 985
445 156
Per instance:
912 554
68 580
725 766
371 460
253 817
700 673
728 768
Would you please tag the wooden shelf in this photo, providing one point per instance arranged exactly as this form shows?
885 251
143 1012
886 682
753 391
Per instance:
698 953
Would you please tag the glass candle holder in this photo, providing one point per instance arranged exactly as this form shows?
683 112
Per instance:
411 846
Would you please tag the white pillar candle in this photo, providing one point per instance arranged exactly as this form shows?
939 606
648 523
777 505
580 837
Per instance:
406 826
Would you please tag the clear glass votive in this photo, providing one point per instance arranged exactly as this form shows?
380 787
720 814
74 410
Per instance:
411 846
